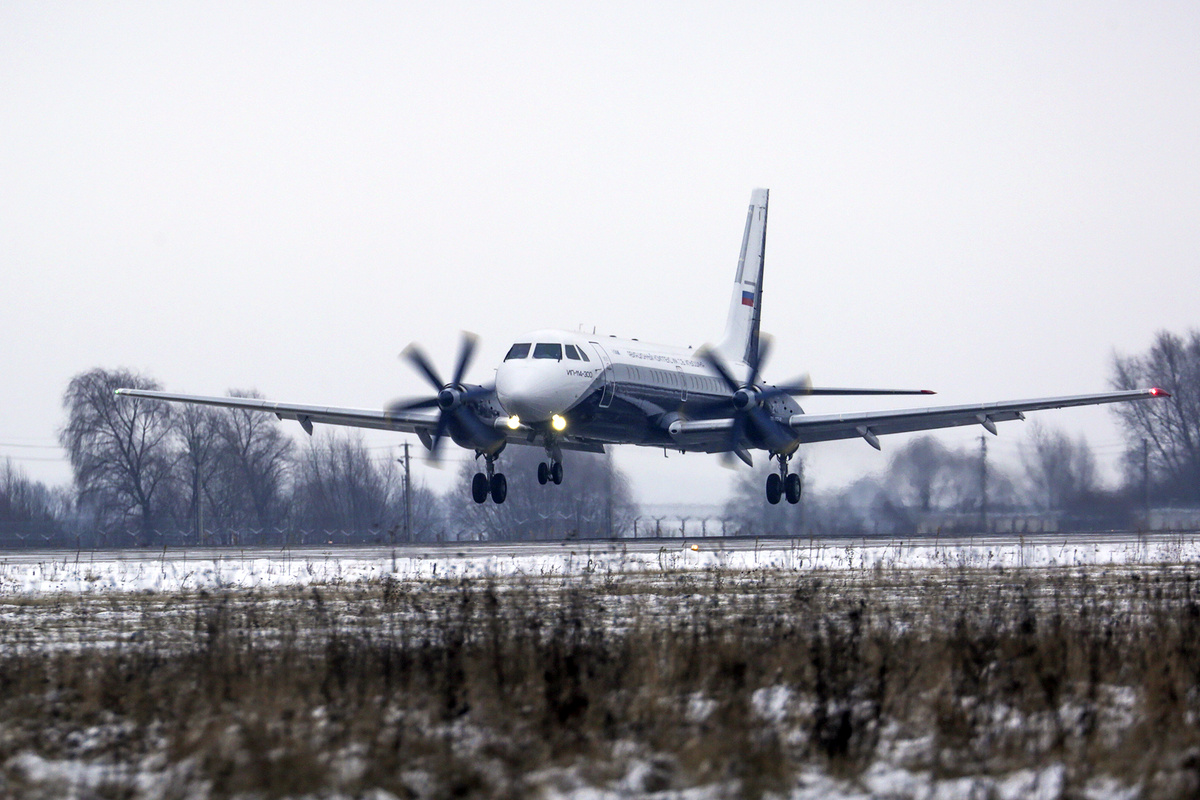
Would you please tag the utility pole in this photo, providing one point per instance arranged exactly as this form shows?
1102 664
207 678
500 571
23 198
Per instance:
983 487
608 495
407 497
1145 483
199 505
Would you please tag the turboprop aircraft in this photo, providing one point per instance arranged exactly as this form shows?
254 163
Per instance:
563 390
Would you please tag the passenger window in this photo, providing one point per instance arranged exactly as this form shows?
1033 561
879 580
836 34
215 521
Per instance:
548 351
572 353
517 351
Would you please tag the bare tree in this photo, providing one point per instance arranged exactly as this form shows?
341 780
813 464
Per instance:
594 500
924 475
254 465
29 512
119 447
850 510
339 486
196 429
1060 471
1170 428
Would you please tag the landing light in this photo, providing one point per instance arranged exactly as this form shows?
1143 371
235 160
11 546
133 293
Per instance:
514 422
558 423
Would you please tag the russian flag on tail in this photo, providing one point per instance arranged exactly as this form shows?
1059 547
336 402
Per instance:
747 298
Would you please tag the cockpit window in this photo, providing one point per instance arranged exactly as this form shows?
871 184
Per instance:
541 350
519 350
583 353
571 352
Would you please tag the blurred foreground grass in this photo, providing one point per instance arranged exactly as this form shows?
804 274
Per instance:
719 682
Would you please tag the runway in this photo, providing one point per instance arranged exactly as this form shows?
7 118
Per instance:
137 570
528 549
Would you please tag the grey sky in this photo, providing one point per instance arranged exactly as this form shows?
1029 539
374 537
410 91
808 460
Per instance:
983 199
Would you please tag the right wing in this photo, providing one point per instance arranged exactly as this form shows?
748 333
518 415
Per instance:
405 421
422 423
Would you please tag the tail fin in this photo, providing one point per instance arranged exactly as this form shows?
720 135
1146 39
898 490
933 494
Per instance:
740 343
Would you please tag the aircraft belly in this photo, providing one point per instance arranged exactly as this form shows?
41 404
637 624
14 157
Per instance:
622 422
636 416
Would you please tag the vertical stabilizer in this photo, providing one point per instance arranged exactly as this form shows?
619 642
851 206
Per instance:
740 343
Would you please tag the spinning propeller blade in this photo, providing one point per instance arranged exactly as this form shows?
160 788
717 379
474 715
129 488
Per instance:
747 404
450 398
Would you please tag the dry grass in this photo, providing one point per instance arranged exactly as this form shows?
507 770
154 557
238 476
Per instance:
499 688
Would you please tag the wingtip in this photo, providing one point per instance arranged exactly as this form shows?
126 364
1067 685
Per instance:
1157 392
928 391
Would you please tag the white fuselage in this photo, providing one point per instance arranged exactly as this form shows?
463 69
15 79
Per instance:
601 386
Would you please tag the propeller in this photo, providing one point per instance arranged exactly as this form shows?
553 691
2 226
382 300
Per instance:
451 397
748 400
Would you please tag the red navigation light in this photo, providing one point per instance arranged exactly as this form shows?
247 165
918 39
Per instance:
1157 392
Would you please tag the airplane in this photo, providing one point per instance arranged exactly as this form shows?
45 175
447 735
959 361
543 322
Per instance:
566 390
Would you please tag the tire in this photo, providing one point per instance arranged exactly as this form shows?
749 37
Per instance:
556 472
774 488
499 488
543 473
792 487
479 488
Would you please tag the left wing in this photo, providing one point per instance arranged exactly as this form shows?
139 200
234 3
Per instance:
872 424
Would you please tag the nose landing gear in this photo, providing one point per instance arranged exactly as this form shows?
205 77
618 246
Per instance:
784 484
493 483
551 471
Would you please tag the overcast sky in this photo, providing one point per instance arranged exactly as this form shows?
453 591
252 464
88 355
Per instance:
983 199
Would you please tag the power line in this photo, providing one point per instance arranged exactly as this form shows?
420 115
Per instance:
62 460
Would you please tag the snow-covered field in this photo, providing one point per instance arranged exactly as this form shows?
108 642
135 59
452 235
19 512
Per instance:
23 573
1046 667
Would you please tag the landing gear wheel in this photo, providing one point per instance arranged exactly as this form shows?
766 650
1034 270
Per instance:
499 488
479 488
556 472
543 473
774 488
792 488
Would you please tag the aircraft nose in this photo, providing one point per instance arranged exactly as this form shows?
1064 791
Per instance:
530 390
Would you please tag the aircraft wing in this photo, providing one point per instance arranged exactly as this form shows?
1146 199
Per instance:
405 421
871 424
423 423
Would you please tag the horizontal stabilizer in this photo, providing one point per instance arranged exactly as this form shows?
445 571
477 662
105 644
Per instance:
823 391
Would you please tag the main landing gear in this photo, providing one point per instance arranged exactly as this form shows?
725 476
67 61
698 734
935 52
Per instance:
493 483
783 483
550 473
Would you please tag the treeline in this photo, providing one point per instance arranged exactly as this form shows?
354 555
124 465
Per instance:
151 473
928 487
143 467
145 471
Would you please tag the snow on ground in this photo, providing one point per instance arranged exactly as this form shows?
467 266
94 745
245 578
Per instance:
173 570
